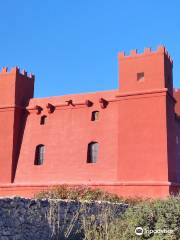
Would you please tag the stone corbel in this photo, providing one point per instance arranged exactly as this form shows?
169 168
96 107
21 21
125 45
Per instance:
50 108
88 103
38 109
70 102
103 102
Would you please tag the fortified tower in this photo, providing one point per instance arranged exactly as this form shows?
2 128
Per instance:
147 138
146 71
16 89
135 133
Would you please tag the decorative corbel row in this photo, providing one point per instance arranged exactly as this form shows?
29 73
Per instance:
51 108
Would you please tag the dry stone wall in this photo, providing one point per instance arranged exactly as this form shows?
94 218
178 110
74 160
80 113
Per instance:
30 219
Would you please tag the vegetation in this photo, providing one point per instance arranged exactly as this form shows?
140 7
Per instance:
78 193
159 219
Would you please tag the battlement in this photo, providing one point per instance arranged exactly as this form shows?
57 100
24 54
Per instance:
16 70
146 70
147 51
17 86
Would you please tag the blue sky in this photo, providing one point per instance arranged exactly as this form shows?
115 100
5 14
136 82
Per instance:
71 45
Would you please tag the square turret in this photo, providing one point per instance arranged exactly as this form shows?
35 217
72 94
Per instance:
146 71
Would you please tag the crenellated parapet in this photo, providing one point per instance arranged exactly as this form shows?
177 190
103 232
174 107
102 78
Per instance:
147 51
17 71
17 87
136 70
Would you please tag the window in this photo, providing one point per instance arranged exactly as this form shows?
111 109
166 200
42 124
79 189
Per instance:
43 120
95 116
92 152
39 154
140 76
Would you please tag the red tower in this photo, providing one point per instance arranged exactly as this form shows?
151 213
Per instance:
147 145
125 141
16 89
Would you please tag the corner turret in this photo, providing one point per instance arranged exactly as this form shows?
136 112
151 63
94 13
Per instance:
150 70
16 89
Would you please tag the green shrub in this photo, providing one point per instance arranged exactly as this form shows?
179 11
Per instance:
152 215
78 193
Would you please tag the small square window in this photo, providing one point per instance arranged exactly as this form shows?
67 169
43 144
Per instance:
43 120
95 116
140 76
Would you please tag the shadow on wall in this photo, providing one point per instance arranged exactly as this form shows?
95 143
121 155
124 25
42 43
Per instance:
20 116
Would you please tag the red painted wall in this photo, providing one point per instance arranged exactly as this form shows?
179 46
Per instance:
16 89
177 122
66 135
136 131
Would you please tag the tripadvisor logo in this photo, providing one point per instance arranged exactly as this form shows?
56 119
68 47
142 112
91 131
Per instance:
139 231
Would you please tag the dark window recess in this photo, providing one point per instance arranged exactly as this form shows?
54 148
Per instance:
95 116
43 120
39 155
92 152
140 76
